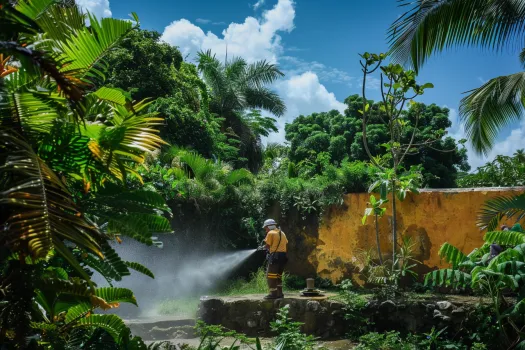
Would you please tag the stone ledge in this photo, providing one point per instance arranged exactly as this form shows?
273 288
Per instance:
325 317
251 314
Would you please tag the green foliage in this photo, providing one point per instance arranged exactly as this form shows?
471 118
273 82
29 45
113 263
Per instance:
236 86
383 341
502 206
257 284
354 304
69 150
428 28
289 334
491 275
503 171
143 65
211 337
339 136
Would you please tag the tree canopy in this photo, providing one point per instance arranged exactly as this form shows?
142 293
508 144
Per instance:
328 138
143 65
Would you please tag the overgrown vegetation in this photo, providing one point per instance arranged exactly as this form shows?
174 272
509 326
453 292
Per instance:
110 134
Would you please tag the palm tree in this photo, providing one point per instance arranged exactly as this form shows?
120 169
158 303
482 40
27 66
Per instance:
65 157
431 26
235 87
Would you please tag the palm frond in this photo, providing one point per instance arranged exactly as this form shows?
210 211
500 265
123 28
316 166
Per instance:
86 49
112 197
238 176
266 99
432 26
138 226
489 108
43 210
261 73
113 95
201 167
213 73
59 286
37 63
494 209
236 68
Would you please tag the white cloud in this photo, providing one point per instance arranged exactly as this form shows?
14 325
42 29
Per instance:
99 8
258 4
203 20
507 146
296 66
303 94
255 39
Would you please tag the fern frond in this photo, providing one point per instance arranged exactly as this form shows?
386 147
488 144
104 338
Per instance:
139 268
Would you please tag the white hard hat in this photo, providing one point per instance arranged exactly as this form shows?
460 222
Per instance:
269 222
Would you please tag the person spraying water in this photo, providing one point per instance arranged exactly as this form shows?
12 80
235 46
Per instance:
275 245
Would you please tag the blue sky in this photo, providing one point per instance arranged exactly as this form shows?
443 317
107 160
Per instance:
316 43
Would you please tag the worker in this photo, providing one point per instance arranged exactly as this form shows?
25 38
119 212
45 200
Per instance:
275 243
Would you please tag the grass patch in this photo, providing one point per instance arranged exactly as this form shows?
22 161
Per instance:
256 284
179 307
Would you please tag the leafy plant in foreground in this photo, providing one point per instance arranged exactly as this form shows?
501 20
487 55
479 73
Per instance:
289 334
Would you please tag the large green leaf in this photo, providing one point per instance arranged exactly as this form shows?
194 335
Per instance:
87 47
505 237
451 254
113 95
448 278
42 208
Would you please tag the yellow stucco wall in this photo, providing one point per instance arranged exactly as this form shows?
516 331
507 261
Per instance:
431 218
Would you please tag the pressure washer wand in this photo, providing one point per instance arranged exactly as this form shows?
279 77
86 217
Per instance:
261 246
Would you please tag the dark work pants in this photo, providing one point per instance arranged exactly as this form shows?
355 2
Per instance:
274 274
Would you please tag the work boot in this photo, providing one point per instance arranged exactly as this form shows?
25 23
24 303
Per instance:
273 295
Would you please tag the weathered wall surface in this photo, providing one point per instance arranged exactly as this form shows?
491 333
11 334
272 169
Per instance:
431 218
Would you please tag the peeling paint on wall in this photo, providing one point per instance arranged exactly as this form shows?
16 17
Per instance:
431 218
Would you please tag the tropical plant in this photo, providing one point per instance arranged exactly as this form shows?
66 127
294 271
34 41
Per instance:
67 150
398 88
376 209
492 274
236 86
433 26
289 334
503 171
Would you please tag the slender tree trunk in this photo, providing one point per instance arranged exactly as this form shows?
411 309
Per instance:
378 244
394 224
